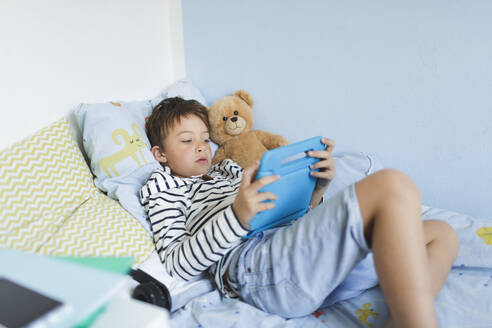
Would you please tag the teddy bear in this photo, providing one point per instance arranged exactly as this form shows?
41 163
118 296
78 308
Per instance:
231 120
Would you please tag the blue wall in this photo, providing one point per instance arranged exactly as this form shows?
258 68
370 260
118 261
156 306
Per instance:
410 81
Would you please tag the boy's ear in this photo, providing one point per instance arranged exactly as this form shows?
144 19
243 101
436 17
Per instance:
158 155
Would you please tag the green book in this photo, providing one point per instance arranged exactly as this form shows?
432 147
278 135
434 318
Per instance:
120 265
109 263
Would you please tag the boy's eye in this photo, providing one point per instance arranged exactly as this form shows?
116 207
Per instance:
187 141
236 112
206 140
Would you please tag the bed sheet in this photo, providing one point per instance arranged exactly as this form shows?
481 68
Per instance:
465 300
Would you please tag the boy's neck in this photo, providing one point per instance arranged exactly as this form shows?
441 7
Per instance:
205 177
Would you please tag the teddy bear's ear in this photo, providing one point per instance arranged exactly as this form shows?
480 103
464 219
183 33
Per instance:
244 96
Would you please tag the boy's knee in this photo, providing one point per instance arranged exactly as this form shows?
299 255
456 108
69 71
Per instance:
397 184
385 189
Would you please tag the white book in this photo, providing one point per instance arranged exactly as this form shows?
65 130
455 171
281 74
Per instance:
82 288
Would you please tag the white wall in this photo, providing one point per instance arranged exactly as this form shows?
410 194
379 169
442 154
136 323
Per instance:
408 80
55 54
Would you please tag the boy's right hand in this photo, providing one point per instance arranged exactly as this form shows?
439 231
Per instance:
248 200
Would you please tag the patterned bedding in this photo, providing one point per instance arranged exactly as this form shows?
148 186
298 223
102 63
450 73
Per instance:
50 206
465 300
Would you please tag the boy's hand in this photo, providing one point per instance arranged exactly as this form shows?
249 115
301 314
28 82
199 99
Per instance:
248 201
326 173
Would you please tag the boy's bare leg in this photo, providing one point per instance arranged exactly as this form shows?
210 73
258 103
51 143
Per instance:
391 210
442 247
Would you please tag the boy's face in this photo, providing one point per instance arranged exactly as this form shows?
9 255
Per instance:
187 149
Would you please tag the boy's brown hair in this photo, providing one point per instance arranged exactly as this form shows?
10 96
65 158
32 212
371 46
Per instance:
169 112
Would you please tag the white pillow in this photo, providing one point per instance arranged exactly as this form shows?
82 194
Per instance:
116 143
351 167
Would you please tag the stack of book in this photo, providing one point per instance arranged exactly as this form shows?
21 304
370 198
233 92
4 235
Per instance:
43 291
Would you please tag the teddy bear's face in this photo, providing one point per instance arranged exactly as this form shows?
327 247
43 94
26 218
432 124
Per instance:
229 117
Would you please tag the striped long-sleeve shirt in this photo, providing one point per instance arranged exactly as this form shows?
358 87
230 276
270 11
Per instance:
194 226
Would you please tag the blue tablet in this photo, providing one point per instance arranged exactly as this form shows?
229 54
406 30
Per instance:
293 189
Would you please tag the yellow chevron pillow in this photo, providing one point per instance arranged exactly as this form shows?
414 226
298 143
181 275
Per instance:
45 190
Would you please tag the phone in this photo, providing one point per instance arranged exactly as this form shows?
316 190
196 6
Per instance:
21 306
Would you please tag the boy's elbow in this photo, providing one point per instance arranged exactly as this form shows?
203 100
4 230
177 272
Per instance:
182 274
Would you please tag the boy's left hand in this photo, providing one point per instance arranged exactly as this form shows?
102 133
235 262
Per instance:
326 167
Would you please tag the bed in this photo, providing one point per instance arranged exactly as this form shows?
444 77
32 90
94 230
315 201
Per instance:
464 301
51 206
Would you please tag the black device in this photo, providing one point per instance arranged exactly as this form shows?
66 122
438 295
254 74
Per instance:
150 290
22 306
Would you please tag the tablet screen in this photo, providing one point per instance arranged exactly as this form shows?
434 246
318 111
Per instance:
21 306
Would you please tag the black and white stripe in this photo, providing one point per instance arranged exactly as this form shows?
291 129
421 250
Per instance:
192 220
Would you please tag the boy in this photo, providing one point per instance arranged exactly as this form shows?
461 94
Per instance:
199 213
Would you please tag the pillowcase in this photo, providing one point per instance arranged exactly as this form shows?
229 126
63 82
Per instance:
182 88
43 180
117 146
51 206
351 167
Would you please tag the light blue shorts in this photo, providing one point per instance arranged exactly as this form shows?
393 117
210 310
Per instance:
320 259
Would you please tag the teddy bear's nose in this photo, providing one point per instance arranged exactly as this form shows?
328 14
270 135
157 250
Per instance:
234 119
